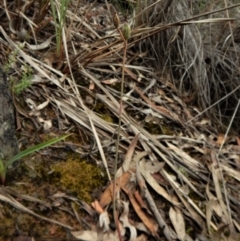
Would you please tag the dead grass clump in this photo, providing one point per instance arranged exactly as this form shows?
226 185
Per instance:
202 59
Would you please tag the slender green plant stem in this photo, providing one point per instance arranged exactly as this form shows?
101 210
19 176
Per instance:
115 213
59 19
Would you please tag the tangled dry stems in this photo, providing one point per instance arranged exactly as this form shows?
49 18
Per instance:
202 59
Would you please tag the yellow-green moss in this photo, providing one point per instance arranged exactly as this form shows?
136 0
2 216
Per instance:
158 129
79 177
107 118
168 130
104 112
183 171
100 108
153 128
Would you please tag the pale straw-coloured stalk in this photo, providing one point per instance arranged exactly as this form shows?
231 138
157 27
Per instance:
125 33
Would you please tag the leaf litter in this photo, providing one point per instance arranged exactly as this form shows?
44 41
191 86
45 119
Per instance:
181 171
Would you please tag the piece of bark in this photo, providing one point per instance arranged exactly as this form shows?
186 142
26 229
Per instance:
8 141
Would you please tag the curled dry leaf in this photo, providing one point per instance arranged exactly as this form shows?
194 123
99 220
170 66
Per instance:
31 104
41 46
47 124
104 221
178 223
125 221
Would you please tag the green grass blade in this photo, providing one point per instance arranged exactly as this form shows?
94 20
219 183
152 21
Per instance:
2 172
1 167
34 149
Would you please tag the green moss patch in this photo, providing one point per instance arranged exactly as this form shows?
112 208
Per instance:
78 177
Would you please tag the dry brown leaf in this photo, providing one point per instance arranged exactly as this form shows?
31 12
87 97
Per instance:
209 212
140 201
106 197
148 222
97 207
128 157
130 73
145 171
221 139
91 86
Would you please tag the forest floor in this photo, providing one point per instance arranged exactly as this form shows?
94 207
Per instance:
178 176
